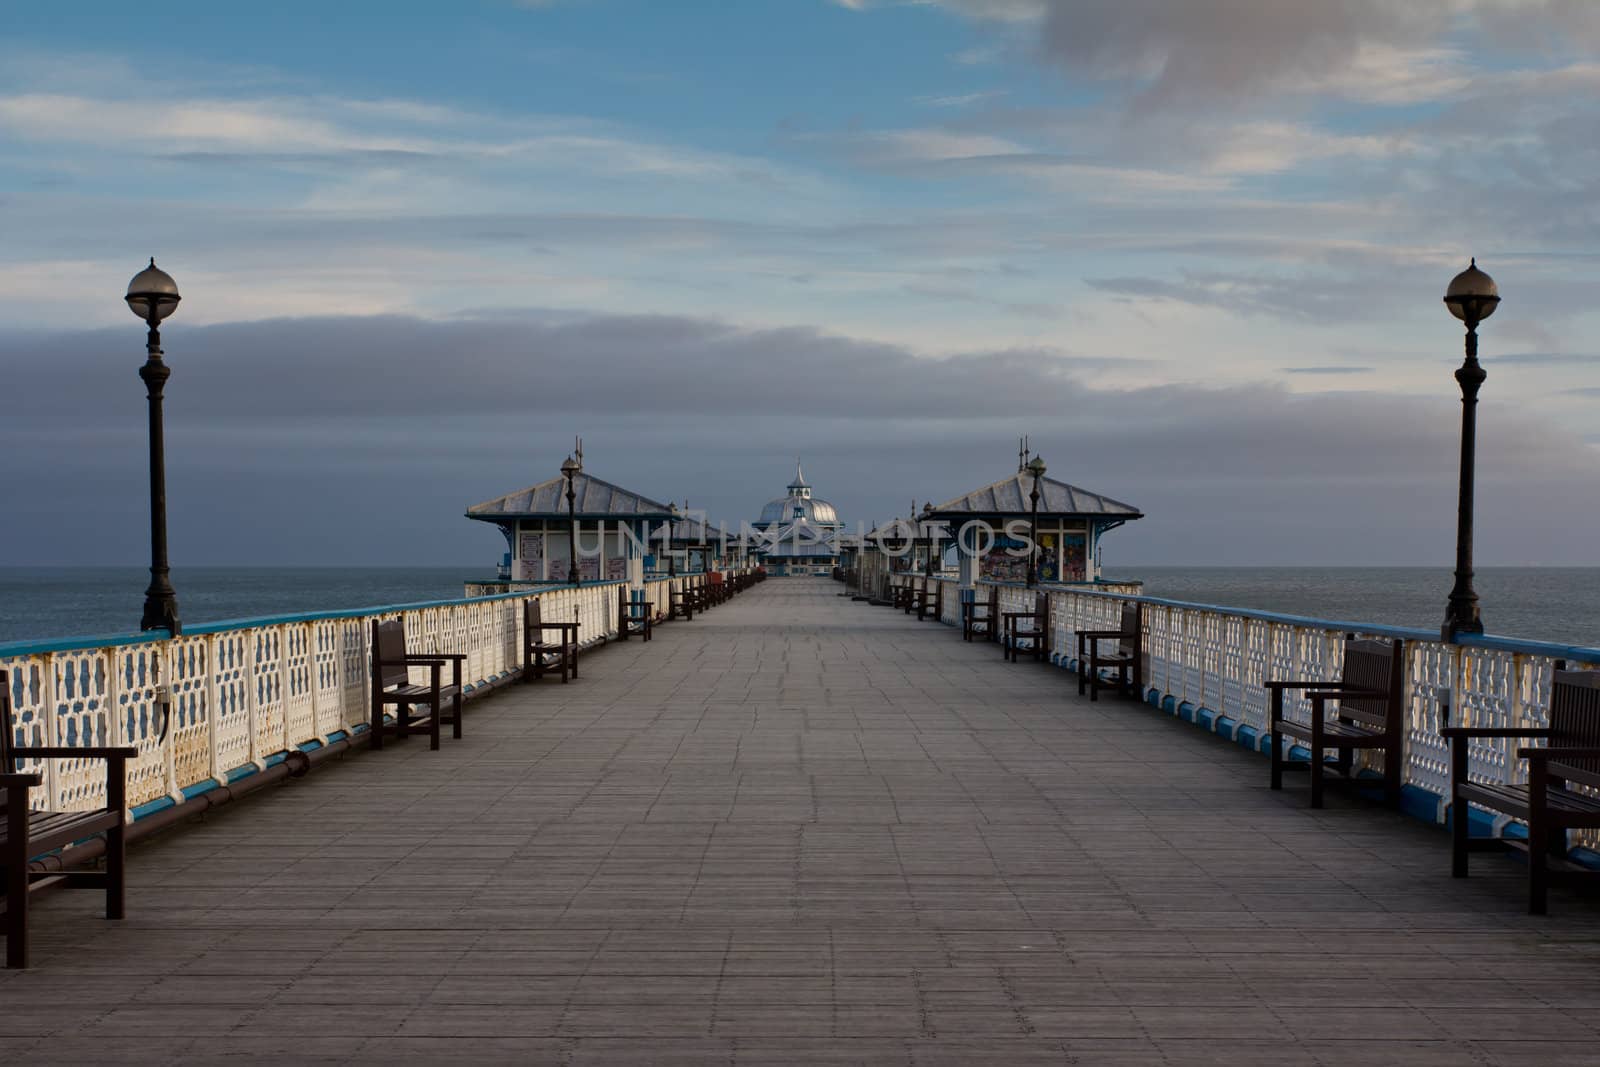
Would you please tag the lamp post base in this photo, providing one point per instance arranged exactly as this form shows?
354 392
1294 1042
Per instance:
161 611
1461 617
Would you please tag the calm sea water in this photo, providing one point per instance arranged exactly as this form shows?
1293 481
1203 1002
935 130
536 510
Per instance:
1559 604
1541 603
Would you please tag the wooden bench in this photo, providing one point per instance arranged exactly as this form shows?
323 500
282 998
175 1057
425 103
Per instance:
979 617
906 594
26 833
1124 660
1370 715
633 616
929 600
1030 626
539 652
680 604
391 685
1546 803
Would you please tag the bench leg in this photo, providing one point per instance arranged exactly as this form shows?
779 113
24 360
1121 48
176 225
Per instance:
1316 761
1538 867
1277 739
116 868
16 877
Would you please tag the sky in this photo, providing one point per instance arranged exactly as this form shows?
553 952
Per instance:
1194 250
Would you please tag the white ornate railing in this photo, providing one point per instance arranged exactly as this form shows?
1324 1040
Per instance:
1207 663
240 694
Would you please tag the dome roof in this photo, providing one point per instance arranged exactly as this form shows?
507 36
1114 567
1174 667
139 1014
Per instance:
785 509
799 504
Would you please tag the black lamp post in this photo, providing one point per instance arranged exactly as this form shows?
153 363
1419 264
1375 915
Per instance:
1035 468
153 295
672 532
1472 297
931 535
570 469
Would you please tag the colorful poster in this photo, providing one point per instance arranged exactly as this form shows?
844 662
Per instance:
1001 565
1073 557
1049 559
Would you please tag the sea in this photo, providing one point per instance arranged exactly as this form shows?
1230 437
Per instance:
1559 604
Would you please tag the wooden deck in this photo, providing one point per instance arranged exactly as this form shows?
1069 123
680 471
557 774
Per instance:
799 829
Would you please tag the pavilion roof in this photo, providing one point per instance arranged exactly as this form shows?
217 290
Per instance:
1009 496
594 498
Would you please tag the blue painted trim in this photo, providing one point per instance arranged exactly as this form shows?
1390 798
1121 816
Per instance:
1250 737
1153 697
1169 704
1420 803
242 771
192 791
1225 727
1205 717
72 644
151 807
1186 711
1585 857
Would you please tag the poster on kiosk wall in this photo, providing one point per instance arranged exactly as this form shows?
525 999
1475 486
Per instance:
530 558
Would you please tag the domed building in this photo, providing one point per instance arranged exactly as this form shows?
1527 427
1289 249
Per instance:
801 531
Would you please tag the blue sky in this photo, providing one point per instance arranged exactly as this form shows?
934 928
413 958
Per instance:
880 233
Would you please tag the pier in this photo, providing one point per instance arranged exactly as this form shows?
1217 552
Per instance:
803 829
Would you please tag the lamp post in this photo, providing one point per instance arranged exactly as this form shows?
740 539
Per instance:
672 533
1471 297
1035 468
153 295
931 536
570 469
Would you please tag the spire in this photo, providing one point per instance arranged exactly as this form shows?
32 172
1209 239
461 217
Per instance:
799 487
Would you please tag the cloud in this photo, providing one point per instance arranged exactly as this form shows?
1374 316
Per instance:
1341 369
1548 359
276 429
1323 299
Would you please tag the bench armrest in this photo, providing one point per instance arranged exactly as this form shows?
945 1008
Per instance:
75 752
428 661
25 781
1320 695
1320 683
553 626
1104 634
1558 753
1453 732
452 657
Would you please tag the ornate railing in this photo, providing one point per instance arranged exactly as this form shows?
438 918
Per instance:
226 699
1207 663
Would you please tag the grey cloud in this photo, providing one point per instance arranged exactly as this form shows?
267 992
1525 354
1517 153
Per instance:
1328 370
290 442
1322 299
1547 358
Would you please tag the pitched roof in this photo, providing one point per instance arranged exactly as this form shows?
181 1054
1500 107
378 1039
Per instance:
549 500
1009 496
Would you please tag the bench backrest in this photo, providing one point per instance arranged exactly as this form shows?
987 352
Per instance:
532 614
7 759
1575 722
389 647
1375 665
1132 628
